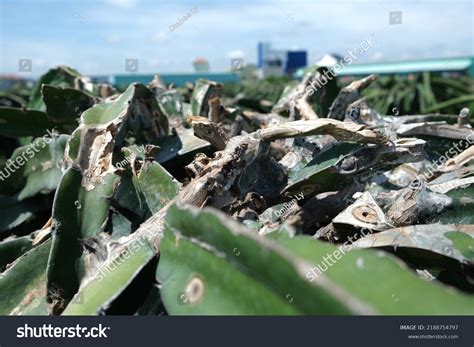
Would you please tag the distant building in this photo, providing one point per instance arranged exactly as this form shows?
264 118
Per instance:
8 82
201 65
329 60
249 72
274 62
100 79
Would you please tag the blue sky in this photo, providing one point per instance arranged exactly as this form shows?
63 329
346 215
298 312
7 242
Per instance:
96 36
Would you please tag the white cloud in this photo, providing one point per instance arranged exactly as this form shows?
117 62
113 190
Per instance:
113 38
236 53
377 56
89 68
121 3
156 63
161 36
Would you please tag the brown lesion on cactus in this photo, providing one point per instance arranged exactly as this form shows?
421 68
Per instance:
35 294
